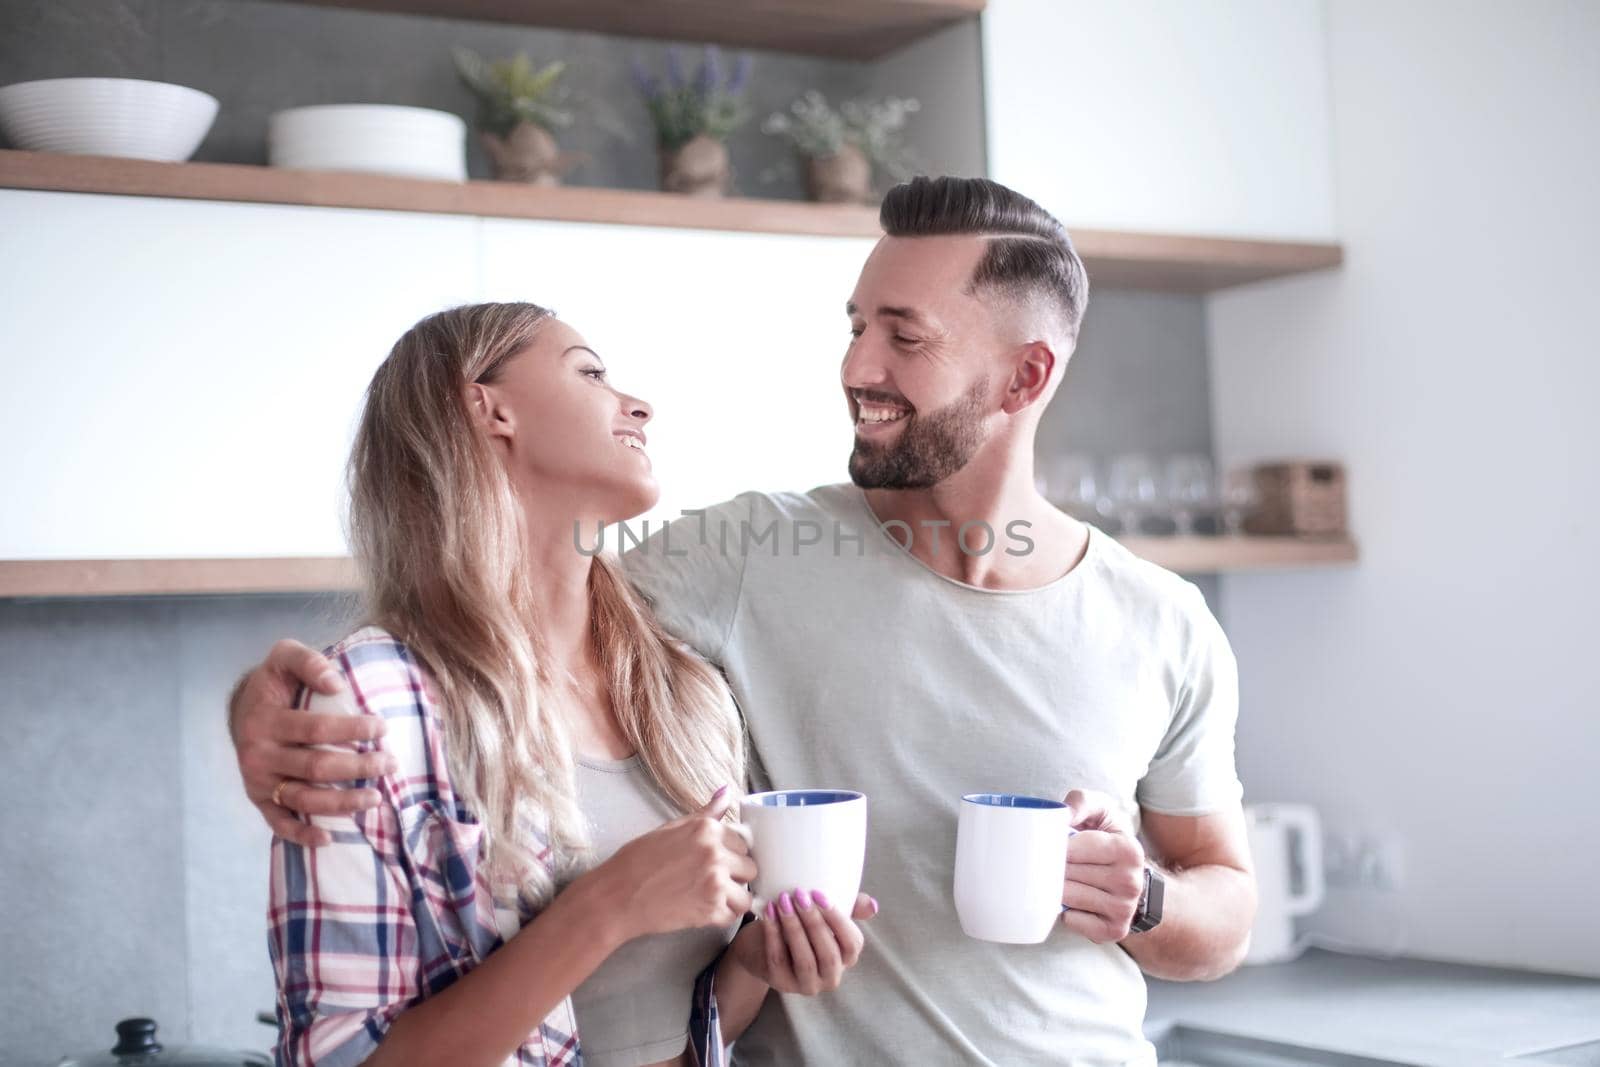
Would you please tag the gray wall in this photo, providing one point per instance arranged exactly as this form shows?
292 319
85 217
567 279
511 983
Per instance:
258 57
1139 382
132 867
944 73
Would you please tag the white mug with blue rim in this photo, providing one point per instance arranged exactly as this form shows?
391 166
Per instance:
807 839
1011 863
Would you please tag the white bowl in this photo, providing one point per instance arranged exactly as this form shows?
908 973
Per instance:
107 117
413 142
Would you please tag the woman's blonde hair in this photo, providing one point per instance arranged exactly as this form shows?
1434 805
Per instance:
438 535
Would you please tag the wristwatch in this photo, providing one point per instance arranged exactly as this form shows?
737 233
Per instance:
1148 917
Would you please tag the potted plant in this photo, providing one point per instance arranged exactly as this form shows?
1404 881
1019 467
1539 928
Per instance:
519 105
842 147
693 116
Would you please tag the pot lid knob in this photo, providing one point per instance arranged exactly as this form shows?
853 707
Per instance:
135 1036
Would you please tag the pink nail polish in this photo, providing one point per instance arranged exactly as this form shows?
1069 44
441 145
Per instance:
818 896
718 795
802 899
874 901
786 904
772 911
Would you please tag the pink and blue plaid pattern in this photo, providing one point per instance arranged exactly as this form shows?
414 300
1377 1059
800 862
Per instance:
395 909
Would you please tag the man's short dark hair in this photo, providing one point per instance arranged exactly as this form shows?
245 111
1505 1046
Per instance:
1029 254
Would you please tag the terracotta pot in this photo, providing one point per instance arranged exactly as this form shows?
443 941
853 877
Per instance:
845 178
528 154
698 167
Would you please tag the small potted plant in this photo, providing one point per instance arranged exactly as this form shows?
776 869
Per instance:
842 147
693 116
519 105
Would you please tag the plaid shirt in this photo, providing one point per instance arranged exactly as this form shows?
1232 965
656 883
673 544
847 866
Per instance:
395 909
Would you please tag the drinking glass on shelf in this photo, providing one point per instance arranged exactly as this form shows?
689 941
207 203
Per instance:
1191 488
1071 484
1239 499
1132 489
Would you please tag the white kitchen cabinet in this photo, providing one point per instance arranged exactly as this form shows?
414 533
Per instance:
1164 116
180 378
735 339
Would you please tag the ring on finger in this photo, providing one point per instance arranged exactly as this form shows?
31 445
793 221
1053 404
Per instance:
277 791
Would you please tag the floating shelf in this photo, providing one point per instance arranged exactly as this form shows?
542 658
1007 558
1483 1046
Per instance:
174 577
845 29
1221 555
311 574
1115 260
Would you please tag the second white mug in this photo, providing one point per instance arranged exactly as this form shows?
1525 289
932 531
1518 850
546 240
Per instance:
1011 865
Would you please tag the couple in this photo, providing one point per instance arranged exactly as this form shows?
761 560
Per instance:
536 848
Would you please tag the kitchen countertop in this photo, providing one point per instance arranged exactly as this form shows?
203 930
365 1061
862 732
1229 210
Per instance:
1431 1014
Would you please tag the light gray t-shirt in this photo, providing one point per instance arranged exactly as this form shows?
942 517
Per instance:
858 667
634 1009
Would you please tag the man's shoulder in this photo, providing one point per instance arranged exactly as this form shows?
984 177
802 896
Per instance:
730 528
1148 589
822 500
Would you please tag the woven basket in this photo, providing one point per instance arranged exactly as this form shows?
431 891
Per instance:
1299 499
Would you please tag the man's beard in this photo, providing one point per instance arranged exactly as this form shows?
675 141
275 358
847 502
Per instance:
929 449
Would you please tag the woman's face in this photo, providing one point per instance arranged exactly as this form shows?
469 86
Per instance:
573 444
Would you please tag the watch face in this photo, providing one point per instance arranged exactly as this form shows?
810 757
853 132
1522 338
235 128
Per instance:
1149 914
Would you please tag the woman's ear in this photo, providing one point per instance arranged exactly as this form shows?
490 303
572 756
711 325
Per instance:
490 416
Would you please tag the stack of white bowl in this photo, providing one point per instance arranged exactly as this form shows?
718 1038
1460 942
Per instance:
411 142
107 117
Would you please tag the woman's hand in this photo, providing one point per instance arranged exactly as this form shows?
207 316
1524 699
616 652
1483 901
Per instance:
688 873
803 944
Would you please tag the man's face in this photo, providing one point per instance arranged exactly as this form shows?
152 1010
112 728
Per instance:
917 372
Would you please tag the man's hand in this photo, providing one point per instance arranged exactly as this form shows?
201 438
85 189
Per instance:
1105 870
273 741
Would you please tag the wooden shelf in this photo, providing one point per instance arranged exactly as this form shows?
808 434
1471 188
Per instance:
1115 260
846 29
1219 555
310 574
174 577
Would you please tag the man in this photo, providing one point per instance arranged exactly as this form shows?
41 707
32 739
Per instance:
933 630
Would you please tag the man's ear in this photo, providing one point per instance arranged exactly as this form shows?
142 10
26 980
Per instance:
490 416
1030 377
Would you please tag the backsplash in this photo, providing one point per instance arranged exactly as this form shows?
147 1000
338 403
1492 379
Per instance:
134 870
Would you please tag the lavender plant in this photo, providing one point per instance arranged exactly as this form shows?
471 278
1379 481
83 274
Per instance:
684 106
876 127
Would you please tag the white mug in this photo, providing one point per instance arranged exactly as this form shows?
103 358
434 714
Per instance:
806 839
1011 863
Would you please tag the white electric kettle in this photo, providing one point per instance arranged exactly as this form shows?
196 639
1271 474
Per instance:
1286 842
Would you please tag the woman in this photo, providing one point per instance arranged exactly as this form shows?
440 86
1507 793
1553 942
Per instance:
550 867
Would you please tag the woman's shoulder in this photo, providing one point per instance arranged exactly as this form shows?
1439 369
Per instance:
384 678
380 668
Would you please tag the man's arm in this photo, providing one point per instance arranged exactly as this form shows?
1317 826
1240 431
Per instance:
1210 900
273 739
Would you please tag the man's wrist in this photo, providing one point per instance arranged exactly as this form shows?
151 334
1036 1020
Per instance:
1152 901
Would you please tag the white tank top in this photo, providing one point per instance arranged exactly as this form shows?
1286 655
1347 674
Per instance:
634 1009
